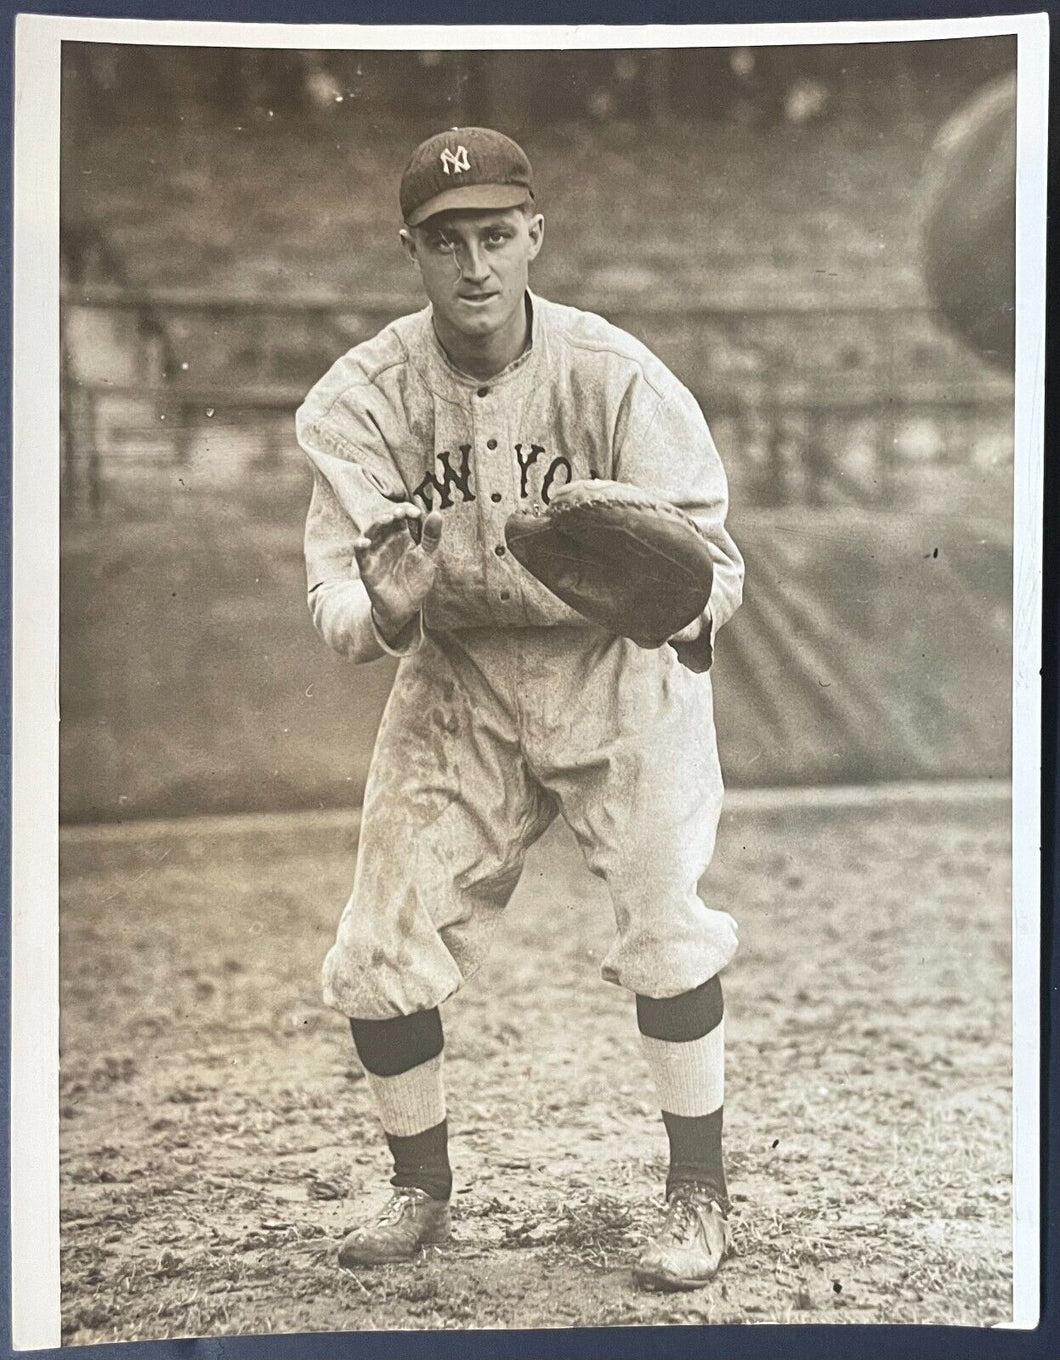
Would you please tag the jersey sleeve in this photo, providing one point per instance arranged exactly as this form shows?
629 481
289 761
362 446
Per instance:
354 482
668 451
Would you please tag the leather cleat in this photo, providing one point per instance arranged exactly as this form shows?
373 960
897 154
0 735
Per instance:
694 1240
409 1220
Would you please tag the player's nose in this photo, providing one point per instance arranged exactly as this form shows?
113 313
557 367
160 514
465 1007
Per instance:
474 265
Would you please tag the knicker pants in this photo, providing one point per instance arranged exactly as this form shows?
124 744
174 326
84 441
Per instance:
487 734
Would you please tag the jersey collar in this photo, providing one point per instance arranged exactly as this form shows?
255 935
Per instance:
440 365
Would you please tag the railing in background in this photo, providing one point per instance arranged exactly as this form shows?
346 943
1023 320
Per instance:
816 404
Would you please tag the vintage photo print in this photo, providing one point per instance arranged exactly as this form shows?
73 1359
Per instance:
527 568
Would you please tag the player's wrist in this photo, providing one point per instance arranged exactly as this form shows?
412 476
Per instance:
393 628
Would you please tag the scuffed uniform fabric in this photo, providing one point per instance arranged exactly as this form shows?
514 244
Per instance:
508 706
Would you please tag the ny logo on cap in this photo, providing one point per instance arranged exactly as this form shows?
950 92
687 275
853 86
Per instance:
455 161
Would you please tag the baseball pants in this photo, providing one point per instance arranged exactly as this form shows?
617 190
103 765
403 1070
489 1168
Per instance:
486 736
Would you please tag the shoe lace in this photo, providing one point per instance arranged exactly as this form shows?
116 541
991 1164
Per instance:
396 1205
688 1207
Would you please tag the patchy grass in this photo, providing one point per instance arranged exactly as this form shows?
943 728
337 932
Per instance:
594 1229
218 1138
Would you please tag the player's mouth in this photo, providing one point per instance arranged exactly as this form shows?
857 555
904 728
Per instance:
477 299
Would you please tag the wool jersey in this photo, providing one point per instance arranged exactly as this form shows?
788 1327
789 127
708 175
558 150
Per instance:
393 420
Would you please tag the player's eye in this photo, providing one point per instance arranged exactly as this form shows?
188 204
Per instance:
497 236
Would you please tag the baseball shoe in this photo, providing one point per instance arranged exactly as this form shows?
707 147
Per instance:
409 1220
694 1240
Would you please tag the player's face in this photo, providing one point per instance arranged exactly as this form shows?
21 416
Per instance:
475 265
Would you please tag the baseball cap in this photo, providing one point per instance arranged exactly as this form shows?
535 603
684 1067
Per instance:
470 167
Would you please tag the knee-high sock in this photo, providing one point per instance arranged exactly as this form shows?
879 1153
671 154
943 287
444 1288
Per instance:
402 1060
684 1042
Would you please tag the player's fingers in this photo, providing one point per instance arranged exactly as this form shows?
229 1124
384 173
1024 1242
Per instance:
380 541
431 532
399 514
392 521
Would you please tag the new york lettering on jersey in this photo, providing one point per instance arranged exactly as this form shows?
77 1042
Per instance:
453 476
393 421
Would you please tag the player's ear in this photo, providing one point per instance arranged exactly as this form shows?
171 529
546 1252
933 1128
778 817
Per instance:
408 244
535 227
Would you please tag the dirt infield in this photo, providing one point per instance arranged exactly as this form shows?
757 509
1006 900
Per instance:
217 1136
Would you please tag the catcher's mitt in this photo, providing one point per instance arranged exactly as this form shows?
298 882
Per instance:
634 565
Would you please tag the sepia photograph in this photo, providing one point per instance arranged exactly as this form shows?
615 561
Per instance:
541 537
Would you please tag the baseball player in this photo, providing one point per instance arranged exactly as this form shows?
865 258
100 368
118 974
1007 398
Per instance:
508 707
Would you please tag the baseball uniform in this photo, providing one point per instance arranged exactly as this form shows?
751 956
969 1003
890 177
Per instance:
508 707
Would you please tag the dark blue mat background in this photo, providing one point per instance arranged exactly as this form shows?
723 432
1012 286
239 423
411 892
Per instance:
818 1342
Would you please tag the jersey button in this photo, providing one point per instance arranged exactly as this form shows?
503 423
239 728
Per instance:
495 497
483 392
491 443
500 550
506 594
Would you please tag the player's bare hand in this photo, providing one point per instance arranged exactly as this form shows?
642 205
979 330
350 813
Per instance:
398 571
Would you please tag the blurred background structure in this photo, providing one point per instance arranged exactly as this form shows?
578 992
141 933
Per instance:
229 223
